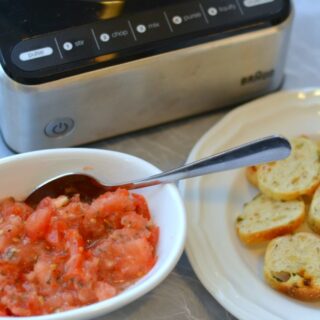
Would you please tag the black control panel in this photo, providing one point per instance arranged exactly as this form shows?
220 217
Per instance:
124 36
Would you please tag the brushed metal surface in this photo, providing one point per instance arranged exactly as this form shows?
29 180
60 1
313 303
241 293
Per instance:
143 93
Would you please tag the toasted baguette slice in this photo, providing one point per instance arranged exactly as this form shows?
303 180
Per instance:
314 212
292 265
295 176
264 219
251 174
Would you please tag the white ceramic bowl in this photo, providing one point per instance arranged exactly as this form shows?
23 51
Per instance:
20 174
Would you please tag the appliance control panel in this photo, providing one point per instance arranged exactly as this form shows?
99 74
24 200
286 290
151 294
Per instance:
107 39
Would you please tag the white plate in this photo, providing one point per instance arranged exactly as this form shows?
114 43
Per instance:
231 272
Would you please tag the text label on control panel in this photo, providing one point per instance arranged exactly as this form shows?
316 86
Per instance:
36 54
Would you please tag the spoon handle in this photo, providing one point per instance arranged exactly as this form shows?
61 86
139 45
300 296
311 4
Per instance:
264 150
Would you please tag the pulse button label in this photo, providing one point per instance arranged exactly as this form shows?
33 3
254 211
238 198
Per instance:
36 54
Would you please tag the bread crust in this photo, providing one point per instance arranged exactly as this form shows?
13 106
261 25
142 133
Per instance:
291 178
314 212
298 284
292 195
259 209
309 294
267 235
251 175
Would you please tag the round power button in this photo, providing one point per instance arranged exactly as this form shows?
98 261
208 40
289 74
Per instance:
59 127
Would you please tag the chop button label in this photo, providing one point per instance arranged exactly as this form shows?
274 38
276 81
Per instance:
120 34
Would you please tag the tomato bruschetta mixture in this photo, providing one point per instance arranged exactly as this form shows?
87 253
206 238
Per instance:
67 253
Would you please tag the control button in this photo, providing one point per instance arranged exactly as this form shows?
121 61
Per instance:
36 54
114 35
150 27
224 13
67 46
177 20
59 127
212 11
141 28
78 43
104 37
253 3
187 17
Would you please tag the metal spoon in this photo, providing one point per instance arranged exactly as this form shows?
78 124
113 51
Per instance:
259 151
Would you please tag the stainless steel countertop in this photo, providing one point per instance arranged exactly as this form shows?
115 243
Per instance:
182 296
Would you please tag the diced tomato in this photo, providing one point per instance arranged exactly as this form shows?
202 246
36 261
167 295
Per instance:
46 202
3 310
8 274
42 270
104 290
113 206
92 226
127 259
74 242
118 201
133 259
154 236
38 222
55 234
73 267
141 205
66 253
74 211
10 229
10 207
19 303
134 221
90 269
28 254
